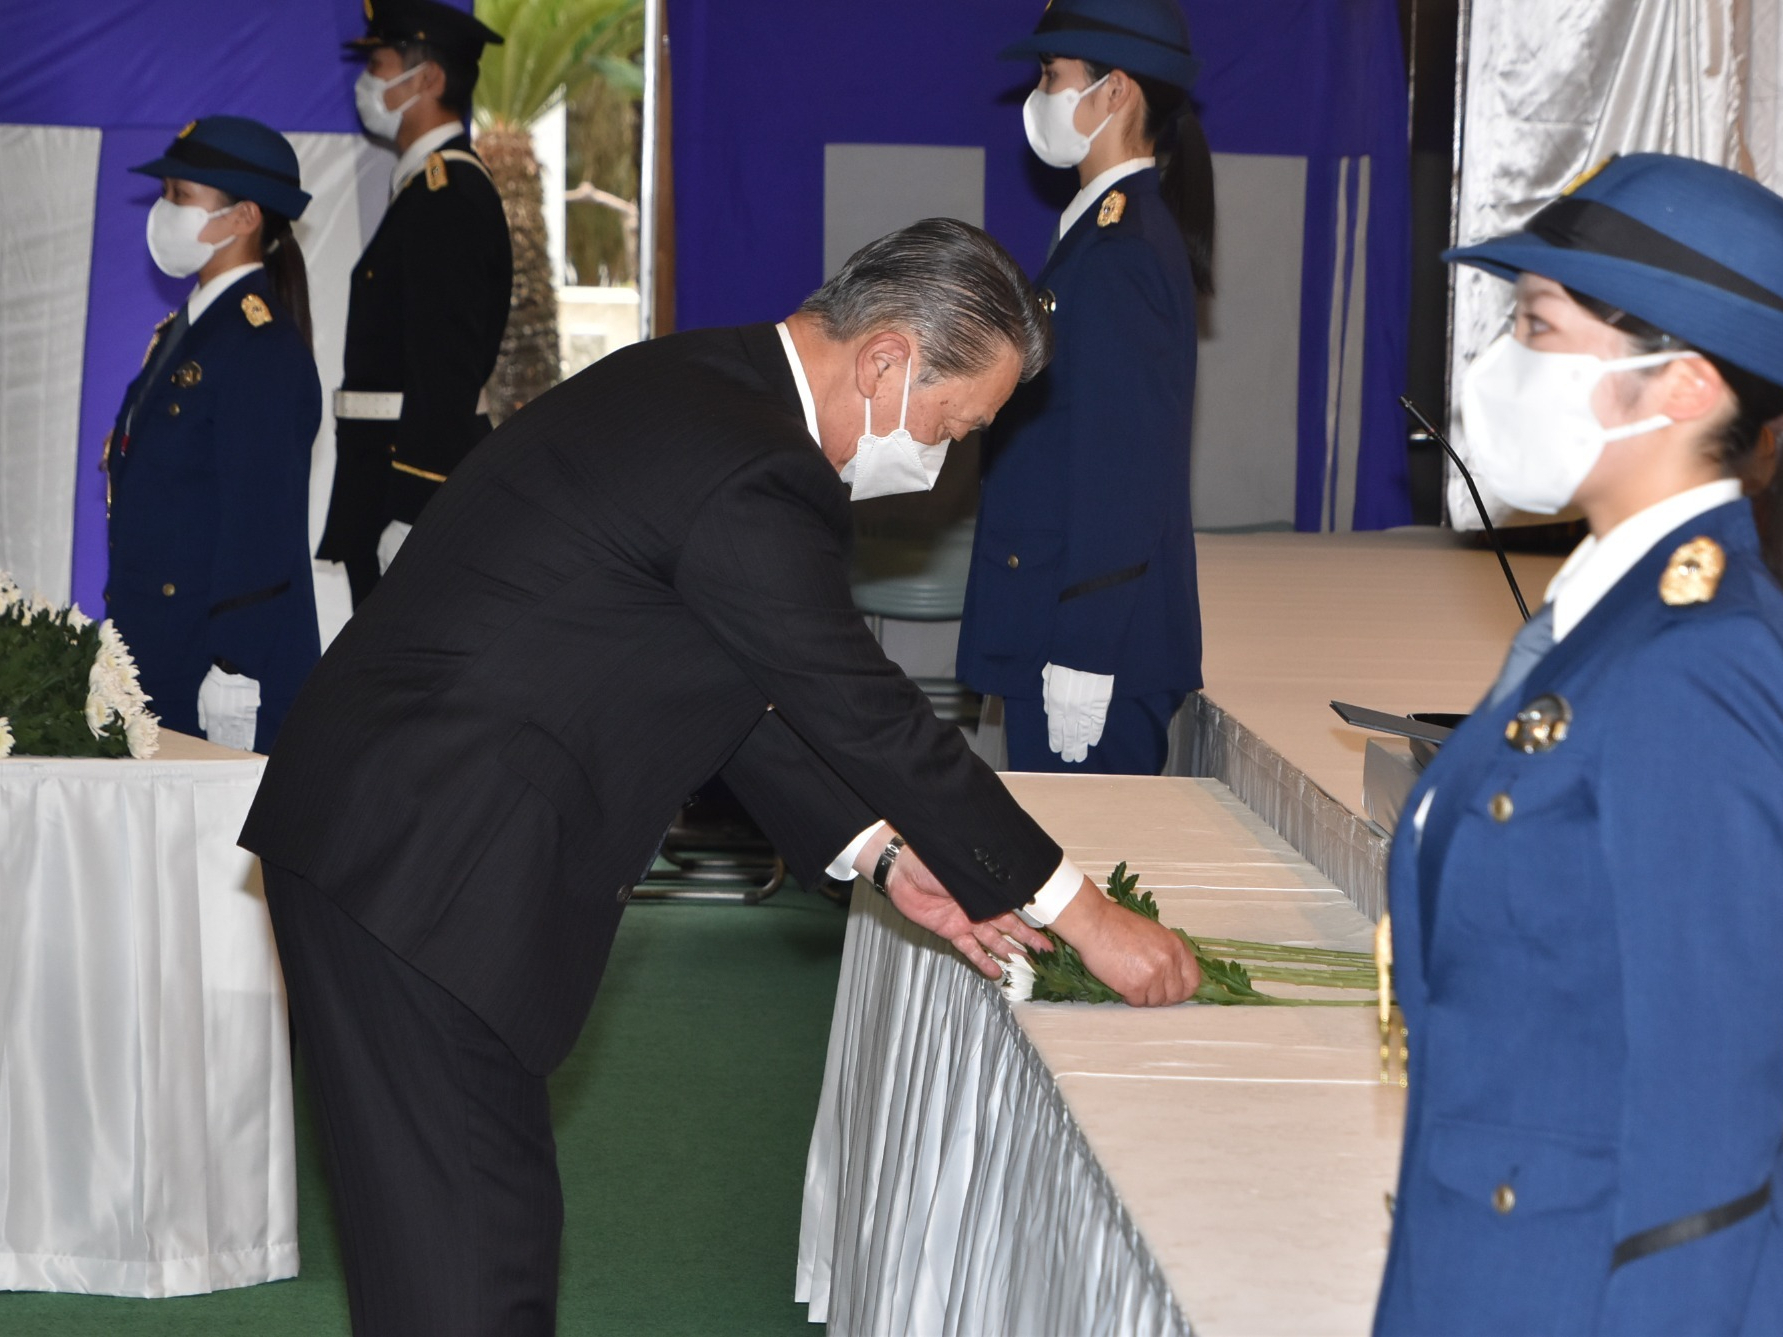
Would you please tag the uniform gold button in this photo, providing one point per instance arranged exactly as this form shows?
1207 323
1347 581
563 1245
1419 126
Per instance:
1502 807
1504 1198
168 590
393 447
368 273
173 410
1014 561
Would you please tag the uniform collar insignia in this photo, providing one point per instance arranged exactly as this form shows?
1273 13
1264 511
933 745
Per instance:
256 310
1114 204
1693 574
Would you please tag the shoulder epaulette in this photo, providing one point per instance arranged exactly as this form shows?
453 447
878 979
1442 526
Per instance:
435 172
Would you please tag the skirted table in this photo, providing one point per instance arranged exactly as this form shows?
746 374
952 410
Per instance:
978 1168
146 1143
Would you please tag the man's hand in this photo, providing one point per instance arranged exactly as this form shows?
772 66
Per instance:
1076 706
1140 959
920 897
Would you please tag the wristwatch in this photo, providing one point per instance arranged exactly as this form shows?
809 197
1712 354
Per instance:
887 857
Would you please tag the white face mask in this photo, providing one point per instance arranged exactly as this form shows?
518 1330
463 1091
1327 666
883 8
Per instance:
1051 121
173 238
1532 435
368 95
885 465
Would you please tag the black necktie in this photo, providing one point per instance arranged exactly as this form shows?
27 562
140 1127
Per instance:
158 360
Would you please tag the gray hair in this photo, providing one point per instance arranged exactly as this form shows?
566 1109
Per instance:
947 284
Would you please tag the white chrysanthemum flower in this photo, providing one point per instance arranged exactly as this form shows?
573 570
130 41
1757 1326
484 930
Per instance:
1018 979
10 593
98 711
143 731
76 619
5 737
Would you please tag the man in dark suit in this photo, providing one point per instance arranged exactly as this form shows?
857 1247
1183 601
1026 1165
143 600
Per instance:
429 298
640 583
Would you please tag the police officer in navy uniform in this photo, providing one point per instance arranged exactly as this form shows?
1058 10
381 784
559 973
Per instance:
1587 892
209 459
429 297
1081 609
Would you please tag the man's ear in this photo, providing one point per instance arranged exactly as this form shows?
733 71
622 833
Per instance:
432 80
882 353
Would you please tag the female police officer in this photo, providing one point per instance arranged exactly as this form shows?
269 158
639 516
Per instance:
1081 609
209 459
1587 912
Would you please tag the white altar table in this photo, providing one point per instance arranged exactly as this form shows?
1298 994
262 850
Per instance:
1066 1169
146 1142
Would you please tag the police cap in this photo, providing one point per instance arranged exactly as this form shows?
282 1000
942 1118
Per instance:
1148 37
239 156
399 23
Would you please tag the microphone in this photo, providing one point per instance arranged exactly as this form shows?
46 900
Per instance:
1432 434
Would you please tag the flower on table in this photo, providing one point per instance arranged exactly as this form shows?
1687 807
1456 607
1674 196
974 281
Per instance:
1018 978
143 732
5 737
68 686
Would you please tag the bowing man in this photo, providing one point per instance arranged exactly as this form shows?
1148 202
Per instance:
208 462
639 582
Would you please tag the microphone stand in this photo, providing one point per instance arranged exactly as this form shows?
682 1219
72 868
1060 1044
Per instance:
1486 520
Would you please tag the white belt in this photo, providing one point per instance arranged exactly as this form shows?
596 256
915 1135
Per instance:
382 405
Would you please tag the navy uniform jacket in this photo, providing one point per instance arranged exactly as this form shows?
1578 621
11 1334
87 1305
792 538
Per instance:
1589 952
1085 551
425 315
210 485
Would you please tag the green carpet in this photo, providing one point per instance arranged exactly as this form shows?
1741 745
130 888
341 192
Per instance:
682 1118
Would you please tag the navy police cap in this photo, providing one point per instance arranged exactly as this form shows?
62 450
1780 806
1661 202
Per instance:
1692 249
398 23
241 157
1148 37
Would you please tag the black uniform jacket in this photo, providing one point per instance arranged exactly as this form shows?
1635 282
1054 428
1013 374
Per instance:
639 581
427 307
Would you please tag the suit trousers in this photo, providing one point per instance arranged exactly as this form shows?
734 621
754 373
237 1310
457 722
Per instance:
1135 737
436 1141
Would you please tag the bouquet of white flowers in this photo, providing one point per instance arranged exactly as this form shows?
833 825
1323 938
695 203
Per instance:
68 686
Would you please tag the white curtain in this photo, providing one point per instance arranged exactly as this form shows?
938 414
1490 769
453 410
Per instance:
1556 86
46 243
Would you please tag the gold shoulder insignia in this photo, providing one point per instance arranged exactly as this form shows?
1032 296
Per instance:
368 14
256 310
1694 573
1113 206
436 171
1587 174
190 127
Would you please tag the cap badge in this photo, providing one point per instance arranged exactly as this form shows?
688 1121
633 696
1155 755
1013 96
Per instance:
188 375
1112 208
256 310
1693 574
1587 174
1540 726
190 127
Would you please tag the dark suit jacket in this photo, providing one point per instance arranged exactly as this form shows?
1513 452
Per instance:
210 492
425 317
638 581
1085 549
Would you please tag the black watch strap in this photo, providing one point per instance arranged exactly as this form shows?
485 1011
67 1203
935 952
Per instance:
887 857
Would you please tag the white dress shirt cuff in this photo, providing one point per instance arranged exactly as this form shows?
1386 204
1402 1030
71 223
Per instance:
1052 898
843 870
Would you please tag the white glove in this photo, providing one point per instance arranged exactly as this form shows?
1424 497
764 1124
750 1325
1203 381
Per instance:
389 541
229 708
1076 709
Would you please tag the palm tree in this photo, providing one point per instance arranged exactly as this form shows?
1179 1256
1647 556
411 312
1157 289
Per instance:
553 49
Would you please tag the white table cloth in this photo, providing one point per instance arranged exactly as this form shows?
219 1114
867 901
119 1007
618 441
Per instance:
146 1143
983 1169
